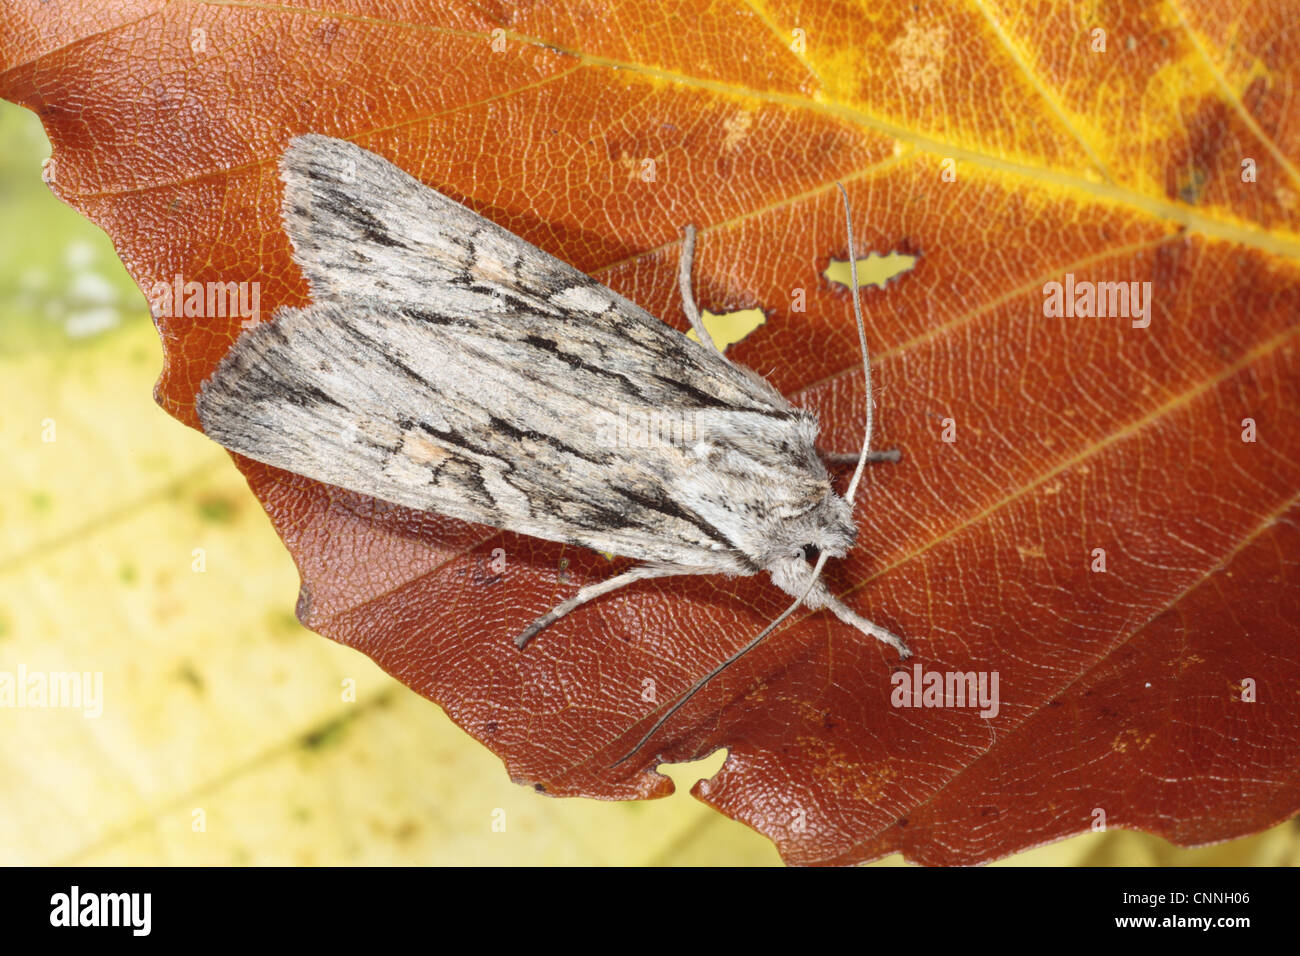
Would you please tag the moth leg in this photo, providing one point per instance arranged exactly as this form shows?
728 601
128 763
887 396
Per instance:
819 597
592 591
688 297
848 616
851 457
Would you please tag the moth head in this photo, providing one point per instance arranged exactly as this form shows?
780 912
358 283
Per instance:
826 528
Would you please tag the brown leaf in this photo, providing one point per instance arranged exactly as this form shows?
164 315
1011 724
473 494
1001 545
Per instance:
1124 692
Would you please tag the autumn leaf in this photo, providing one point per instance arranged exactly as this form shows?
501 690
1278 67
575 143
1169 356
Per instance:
1098 512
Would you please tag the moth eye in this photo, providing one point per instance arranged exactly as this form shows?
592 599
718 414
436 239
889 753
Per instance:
810 553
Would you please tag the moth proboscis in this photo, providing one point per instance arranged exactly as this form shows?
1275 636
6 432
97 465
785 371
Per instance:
447 365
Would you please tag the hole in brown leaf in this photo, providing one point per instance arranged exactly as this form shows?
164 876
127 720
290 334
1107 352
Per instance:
729 327
875 269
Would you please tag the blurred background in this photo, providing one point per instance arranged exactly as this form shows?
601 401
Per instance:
130 546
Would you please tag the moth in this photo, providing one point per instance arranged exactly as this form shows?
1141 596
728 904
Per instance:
447 365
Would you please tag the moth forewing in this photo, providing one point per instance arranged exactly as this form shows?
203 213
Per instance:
448 365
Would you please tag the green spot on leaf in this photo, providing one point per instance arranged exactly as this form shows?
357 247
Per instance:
327 735
187 674
216 510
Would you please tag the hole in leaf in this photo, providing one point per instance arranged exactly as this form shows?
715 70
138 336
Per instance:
875 269
729 327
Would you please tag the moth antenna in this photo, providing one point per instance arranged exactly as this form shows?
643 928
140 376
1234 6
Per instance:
851 494
700 684
763 635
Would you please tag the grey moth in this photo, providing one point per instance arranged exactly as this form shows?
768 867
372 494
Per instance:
447 365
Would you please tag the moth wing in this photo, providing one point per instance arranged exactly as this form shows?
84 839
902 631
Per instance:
363 229
347 210
394 407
